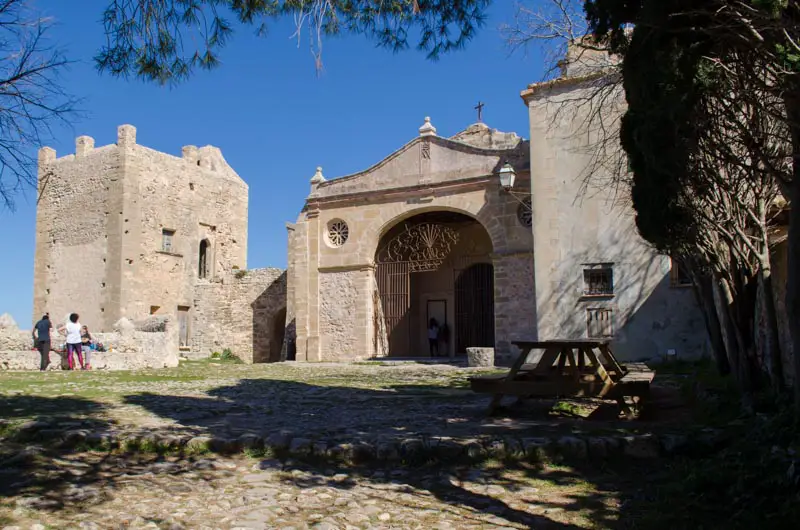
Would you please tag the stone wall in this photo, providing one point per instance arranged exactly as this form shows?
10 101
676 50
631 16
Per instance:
77 257
342 315
100 223
576 226
243 310
200 198
515 313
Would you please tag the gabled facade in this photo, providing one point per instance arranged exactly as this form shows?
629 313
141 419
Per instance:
427 233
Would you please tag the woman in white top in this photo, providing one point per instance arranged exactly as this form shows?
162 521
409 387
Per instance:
73 332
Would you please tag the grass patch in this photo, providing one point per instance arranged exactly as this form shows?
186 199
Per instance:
227 356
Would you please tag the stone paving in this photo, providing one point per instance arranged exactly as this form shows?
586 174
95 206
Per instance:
356 411
96 490
338 400
369 436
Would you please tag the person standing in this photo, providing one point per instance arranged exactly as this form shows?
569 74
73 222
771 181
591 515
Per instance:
86 346
433 337
72 330
41 337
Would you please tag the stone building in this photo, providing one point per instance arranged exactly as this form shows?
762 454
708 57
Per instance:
595 276
429 232
126 231
425 233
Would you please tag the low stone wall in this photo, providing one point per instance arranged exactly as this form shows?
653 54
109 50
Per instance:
150 343
393 450
29 360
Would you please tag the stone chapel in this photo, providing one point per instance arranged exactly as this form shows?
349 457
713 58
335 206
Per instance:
431 232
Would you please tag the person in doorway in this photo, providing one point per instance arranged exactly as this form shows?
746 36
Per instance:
433 337
41 338
72 329
86 346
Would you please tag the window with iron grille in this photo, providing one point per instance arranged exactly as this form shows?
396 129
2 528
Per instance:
599 323
166 240
598 281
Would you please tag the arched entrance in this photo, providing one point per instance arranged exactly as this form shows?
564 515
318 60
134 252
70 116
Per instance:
434 265
277 336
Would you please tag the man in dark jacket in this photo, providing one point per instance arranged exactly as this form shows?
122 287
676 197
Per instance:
41 337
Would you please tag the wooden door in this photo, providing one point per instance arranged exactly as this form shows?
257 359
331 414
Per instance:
474 294
183 326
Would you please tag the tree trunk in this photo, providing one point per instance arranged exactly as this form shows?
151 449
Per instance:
721 303
734 343
772 348
793 243
704 293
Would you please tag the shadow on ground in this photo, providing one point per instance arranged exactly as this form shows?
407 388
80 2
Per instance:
588 494
264 405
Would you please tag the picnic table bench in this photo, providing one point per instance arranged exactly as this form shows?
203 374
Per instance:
569 368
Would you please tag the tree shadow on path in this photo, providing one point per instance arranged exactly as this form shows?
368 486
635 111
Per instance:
348 415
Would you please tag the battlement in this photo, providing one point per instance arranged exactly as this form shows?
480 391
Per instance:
208 157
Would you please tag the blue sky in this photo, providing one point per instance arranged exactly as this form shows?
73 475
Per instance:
275 117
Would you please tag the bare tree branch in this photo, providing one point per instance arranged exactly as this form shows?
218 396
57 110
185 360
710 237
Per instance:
31 96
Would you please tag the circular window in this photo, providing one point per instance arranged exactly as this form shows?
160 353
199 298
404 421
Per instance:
525 213
337 233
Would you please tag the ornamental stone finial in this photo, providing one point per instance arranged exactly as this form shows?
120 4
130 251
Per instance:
427 128
317 178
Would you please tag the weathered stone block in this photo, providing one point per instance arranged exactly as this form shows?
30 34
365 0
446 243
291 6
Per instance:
480 357
300 445
642 446
572 447
537 449
251 441
279 440
199 443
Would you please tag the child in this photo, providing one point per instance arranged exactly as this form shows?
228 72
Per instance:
86 346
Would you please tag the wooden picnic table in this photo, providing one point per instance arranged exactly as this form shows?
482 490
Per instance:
568 368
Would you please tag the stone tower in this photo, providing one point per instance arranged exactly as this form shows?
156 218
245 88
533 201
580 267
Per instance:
126 231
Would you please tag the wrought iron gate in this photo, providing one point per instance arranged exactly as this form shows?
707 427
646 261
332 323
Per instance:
474 294
421 247
395 295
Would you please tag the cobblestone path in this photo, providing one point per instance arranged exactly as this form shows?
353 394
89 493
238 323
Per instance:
96 490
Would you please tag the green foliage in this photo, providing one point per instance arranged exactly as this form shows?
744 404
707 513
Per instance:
226 355
166 40
240 274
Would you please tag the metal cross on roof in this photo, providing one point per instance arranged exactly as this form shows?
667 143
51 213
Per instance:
479 108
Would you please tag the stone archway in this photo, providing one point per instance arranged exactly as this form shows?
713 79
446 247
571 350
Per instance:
434 265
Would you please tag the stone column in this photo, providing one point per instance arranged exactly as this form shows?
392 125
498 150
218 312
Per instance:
313 353
514 301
